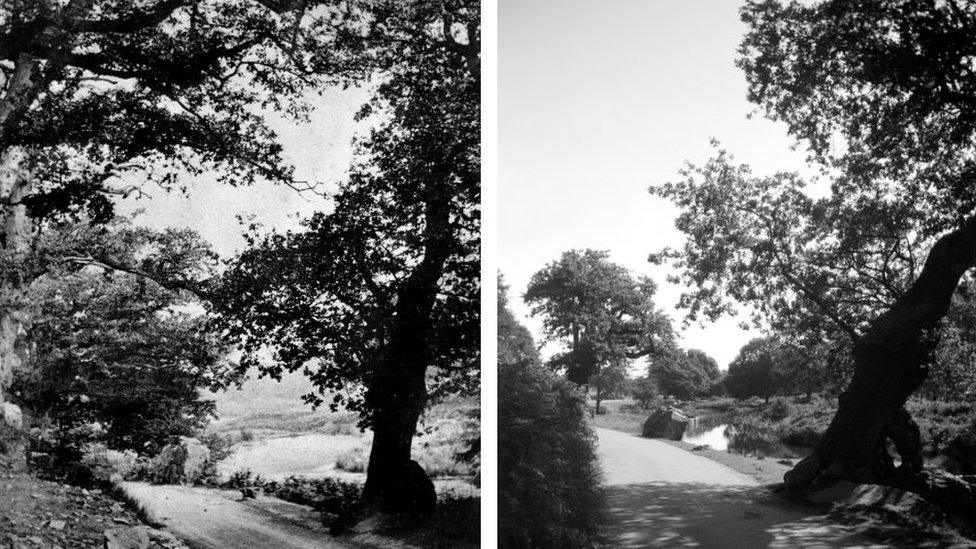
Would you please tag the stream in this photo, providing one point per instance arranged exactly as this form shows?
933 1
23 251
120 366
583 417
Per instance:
721 433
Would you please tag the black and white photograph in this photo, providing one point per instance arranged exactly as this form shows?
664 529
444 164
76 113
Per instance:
240 273
517 274
736 251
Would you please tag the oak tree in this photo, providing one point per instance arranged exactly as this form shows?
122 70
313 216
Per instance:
598 311
376 299
881 93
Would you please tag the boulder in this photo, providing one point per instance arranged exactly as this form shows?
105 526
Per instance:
961 453
13 416
665 422
135 537
180 463
415 491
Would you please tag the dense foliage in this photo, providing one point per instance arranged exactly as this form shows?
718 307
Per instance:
104 95
116 349
683 374
953 372
548 474
761 369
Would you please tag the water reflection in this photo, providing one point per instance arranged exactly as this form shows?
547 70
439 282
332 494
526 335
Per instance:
721 433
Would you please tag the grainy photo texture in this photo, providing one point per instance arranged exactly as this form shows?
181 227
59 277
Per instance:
240 273
738 248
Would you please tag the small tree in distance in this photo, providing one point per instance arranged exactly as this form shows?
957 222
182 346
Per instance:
758 370
683 374
599 312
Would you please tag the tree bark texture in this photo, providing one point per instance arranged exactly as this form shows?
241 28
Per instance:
14 232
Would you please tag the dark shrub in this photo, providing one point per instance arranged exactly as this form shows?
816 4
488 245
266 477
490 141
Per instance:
779 410
548 475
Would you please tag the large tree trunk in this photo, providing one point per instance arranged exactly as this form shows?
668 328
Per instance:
397 391
14 231
20 91
891 361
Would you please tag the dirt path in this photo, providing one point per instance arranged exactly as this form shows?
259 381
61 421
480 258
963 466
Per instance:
217 519
663 496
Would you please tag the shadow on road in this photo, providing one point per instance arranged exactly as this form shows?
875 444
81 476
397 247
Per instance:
722 516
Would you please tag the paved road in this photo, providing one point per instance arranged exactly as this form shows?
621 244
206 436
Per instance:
216 519
662 496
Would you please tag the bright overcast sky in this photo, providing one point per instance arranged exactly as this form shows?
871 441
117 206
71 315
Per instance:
320 150
599 100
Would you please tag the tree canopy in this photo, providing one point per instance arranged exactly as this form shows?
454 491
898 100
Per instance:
897 152
100 97
597 310
683 374
116 348
761 368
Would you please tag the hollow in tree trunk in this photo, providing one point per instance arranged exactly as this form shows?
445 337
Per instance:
891 361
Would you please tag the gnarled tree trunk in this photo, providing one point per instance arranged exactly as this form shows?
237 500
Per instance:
891 361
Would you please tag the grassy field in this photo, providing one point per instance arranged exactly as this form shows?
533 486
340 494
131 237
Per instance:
277 435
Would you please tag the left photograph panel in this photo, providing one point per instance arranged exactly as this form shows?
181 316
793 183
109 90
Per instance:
240 257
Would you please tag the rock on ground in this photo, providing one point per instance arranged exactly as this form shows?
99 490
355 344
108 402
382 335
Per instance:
961 453
13 416
181 462
665 422
135 537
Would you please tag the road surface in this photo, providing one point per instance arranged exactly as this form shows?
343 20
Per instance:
662 496
217 519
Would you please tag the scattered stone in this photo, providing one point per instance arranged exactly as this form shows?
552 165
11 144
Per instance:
665 422
56 524
136 537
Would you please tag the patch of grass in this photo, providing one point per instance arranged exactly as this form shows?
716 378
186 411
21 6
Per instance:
627 422
353 460
436 451
290 421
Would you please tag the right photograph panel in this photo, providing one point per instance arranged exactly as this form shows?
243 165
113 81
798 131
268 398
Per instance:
737 273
